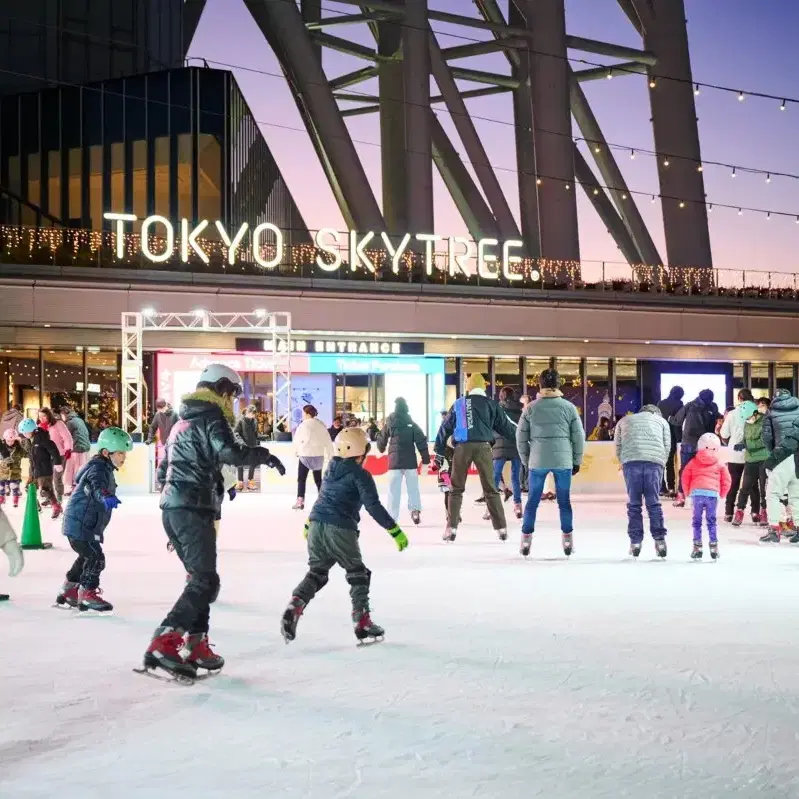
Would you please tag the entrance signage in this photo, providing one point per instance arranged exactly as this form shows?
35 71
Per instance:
333 346
493 259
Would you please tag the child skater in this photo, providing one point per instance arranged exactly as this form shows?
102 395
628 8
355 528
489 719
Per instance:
45 461
88 514
706 480
11 454
332 533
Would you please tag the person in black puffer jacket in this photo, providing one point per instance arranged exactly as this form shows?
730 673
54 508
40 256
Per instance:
404 438
45 459
669 408
199 445
247 433
505 449
694 419
779 421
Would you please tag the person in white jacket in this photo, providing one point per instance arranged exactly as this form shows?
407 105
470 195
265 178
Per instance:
313 446
11 548
732 434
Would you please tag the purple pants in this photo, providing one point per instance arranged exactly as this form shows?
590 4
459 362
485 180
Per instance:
705 506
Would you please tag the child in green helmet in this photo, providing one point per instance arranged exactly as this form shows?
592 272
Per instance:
87 515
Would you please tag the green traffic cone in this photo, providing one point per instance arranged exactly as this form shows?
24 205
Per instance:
31 529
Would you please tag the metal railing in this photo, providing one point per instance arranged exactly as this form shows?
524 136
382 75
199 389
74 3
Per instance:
75 248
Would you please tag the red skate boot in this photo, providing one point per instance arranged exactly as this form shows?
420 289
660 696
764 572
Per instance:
57 510
200 655
2 499
68 595
16 499
738 519
164 653
762 519
91 599
366 631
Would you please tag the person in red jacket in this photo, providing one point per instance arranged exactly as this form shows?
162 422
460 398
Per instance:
706 480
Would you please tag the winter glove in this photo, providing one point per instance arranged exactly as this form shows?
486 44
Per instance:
111 502
58 469
400 539
231 492
575 470
276 464
306 528
67 454
170 547
15 557
739 447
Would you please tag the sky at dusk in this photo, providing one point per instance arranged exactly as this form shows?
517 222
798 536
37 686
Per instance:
737 43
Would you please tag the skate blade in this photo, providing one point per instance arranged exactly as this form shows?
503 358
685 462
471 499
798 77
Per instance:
91 612
370 641
180 679
65 606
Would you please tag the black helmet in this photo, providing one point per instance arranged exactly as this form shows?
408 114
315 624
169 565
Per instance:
549 378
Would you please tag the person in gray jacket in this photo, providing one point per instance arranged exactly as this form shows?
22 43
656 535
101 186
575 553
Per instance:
550 438
782 413
643 444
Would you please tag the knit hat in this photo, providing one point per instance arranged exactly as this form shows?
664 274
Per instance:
475 381
708 441
746 409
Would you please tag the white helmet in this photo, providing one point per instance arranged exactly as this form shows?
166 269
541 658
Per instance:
351 442
222 379
709 441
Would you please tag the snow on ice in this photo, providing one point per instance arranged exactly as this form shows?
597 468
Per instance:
499 677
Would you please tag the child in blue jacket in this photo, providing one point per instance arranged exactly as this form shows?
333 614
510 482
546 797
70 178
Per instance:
87 515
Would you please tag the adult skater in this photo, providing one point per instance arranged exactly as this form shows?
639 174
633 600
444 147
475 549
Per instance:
732 433
505 449
643 442
332 534
199 445
473 422
550 437
164 419
694 420
61 437
81 444
668 410
780 418
246 432
336 427
403 438
313 446
783 467
11 549
753 481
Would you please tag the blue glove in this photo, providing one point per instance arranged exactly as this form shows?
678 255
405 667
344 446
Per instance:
231 492
111 502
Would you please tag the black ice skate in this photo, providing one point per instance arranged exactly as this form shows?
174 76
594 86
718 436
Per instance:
527 541
773 536
416 517
366 631
567 539
660 547
68 595
696 553
502 534
290 618
450 533
91 599
794 539
635 549
714 550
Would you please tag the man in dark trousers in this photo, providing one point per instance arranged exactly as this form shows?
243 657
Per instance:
694 420
668 409
199 445
474 421
163 421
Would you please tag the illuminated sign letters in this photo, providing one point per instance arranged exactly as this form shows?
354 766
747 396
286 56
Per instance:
333 346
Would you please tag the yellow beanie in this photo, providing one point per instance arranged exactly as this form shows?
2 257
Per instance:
475 381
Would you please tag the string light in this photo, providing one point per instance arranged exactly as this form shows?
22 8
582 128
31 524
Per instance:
632 155
741 97
696 90
666 162
710 208
682 204
653 199
768 178
652 83
733 172
700 168
783 105
609 76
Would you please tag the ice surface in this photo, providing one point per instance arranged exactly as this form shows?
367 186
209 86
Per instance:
499 678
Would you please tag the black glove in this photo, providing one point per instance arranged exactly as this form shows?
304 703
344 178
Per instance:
575 470
277 464
739 447
231 492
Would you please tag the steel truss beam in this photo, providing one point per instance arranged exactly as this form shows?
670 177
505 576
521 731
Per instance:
601 73
192 11
275 325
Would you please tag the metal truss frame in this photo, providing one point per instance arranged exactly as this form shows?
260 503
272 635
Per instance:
544 88
274 324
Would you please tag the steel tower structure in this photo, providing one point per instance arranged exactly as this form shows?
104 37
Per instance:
546 94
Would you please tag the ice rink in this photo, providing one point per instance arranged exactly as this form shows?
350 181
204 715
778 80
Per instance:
498 678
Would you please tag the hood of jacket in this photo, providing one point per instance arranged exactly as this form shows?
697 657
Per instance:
400 416
705 397
11 415
203 400
340 468
707 457
549 393
784 402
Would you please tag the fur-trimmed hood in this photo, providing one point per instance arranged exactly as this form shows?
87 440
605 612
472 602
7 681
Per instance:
195 401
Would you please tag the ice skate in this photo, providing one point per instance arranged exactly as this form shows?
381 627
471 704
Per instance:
480 500
299 504
762 518
290 618
728 519
518 511
502 534
679 501
366 631
200 655
240 485
567 539
738 519
635 549
773 536
714 550
91 599
4 597
57 510
507 494
251 485
794 539
787 526
2 500
416 517
16 500
660 547
450 533
164 653
696 554
527 542
68 595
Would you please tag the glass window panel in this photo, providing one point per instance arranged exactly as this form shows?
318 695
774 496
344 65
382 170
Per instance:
35 179
118 176
507 374
14 175
54 182
63 378
96 186
737 376
102 389
209 179
571 383
74 159
184 176
598 393
21 369
760 378
785 376
162 176
627 394
139 181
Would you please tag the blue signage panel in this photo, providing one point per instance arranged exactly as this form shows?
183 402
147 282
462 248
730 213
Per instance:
374 365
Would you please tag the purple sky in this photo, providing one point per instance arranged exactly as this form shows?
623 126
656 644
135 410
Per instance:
734 43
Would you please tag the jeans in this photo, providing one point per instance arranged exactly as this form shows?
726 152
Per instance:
644 479
563 484
395 477
706 506
515 476
687 454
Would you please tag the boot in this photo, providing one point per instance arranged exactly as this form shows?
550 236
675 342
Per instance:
291 616
450 533
2 499
299 504
251 485
756 517
240 485
200 655
365 629
788 526
794 539
696 554
16 500
91 599
714 550
68 594
762 519
507 494
773 535
660 547
567 539
527 541
679 501
518 511
164 653
738 519
502 534
416 517
728 518
57 510
635 549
